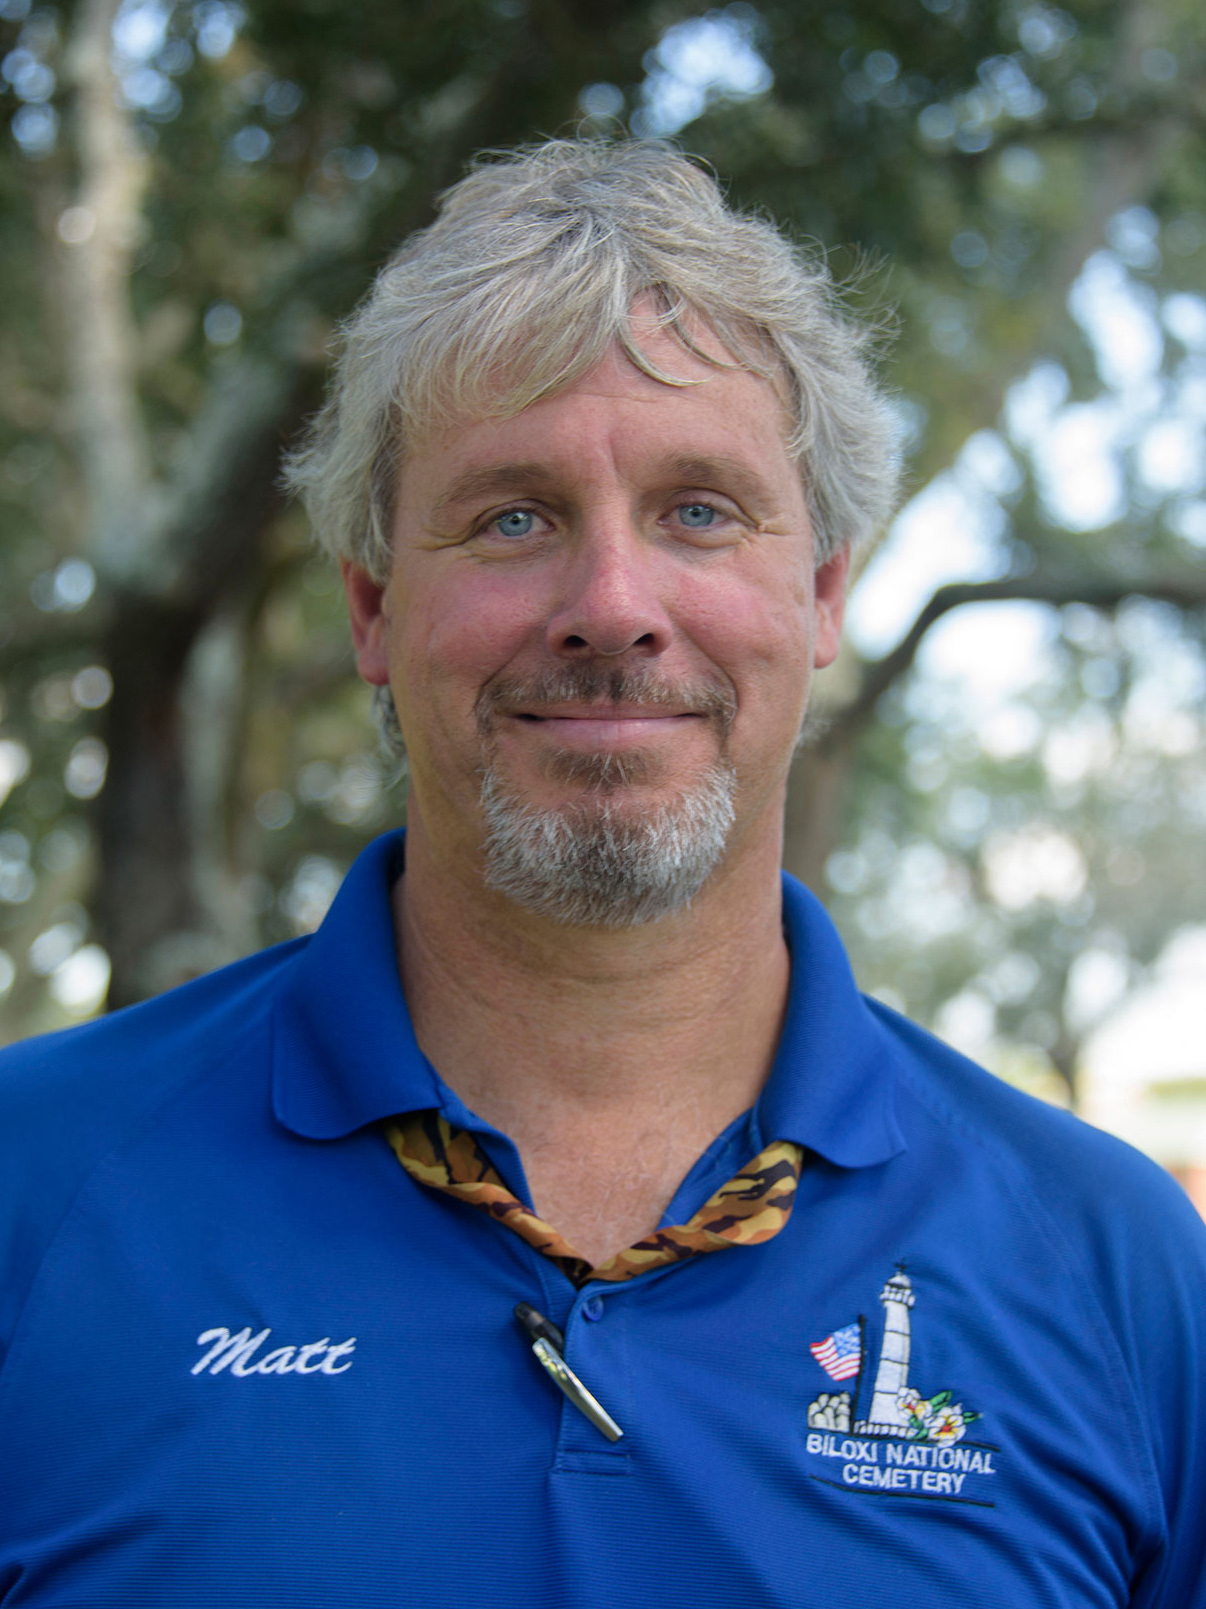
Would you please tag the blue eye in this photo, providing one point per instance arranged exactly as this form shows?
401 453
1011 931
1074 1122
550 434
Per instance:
696 515
515 522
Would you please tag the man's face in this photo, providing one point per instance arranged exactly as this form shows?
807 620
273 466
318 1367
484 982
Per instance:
605 602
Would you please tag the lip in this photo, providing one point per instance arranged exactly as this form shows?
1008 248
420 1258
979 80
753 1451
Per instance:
602 712
597 726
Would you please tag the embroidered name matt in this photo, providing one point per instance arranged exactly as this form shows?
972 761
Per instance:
240 1352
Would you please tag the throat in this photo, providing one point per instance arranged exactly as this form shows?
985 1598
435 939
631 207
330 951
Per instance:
604 1198
612 1061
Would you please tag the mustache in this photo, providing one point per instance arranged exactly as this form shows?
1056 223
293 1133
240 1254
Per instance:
588 682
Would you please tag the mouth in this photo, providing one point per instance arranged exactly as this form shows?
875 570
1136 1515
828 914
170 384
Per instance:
603 726
582 708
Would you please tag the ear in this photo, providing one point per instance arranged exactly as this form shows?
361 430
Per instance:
830 606
370 623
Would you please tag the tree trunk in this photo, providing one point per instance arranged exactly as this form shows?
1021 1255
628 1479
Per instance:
816 793
157 913
147 913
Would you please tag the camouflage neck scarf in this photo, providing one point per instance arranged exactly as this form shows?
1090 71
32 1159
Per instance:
752 1207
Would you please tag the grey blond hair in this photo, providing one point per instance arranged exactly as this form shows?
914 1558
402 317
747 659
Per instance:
524 282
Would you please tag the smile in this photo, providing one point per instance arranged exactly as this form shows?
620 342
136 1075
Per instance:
597 727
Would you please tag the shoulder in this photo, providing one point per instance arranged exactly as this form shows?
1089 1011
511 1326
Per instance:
68 1099
1111 1236
108 1070
1073 1167
1123 1228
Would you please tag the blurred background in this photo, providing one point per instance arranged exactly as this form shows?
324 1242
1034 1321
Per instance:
1005 806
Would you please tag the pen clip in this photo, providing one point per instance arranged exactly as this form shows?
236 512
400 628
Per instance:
568 1382
548 1343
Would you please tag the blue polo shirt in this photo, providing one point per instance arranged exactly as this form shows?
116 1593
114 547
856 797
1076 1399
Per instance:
246 1359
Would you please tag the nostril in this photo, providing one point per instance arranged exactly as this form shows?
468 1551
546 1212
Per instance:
575 642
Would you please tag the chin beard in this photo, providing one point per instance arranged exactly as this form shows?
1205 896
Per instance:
603 861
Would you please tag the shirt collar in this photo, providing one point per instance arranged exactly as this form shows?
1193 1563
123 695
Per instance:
345 1053
832 1086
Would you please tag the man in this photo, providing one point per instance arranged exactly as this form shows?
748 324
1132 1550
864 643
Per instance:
558 1225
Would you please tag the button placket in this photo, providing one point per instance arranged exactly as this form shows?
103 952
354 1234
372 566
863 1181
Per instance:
597 1349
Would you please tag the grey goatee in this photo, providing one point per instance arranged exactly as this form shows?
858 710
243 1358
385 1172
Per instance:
602 860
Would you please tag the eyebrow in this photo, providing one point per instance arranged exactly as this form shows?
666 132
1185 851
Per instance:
494 480
691 470
513 479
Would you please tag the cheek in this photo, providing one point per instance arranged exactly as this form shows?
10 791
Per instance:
452 633
760 632
761 637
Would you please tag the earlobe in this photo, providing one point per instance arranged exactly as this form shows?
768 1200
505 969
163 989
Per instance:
370 621
830 606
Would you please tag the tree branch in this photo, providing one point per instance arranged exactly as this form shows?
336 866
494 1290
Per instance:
1187 590
213 515
102 345
27 637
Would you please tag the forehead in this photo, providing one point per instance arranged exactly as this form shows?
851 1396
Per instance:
716 411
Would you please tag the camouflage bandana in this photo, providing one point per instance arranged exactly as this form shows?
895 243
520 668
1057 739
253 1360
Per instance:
752 1207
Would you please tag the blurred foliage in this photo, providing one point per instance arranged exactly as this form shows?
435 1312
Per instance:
1011 877
965 158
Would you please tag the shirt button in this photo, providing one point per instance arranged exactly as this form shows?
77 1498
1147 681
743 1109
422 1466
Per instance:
592 1309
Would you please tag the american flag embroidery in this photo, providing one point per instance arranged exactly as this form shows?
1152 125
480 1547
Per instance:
840 1354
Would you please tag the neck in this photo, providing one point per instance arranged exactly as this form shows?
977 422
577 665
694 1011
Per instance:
611 1057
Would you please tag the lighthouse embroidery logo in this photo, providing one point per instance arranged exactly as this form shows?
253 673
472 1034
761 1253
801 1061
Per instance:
907 1445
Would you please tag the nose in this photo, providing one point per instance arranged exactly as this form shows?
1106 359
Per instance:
611 603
